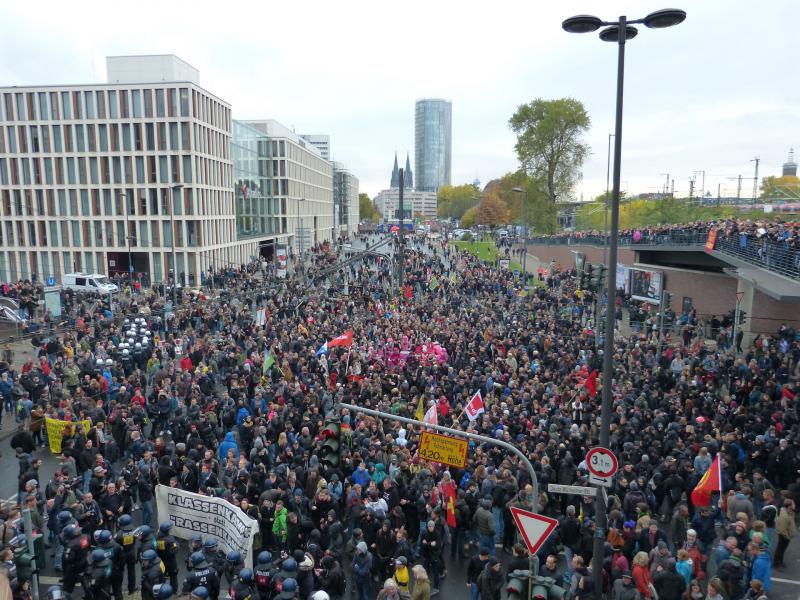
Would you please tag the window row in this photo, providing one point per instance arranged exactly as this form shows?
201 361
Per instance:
102 170
97 203
88 234
112 137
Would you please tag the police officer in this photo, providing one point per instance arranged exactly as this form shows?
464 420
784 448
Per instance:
113 552
152 573
100 576
126 539
199 593
146 541
288 571
242 588
201 575
165 592
289 590
195 545
264 572
76 552
167 549
233 564
65 519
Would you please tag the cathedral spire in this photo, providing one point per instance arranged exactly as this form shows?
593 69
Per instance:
395 174
408 176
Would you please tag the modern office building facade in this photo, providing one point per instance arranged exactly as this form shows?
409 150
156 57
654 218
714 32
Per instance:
320 141
86 170
299 185
432 143
345 200
415 204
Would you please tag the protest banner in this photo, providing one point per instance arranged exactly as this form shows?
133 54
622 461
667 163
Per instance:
55 431
211 517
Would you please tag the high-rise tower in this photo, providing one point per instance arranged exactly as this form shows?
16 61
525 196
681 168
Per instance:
432 143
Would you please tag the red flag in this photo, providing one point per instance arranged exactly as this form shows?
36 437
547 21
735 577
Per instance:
407 291
356 378
711 482
346 339
432 416
451 511
591 383
474 407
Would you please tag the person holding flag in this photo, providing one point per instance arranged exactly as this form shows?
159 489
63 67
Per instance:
710 483
475 406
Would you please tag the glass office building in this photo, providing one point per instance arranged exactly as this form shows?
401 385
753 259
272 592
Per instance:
432 143
256 212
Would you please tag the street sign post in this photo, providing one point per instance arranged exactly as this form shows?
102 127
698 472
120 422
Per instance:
535 528
578 490
443 449
602 465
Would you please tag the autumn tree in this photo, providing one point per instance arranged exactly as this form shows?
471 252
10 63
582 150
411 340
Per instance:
550 143
786 187
469 218
492 210
532 207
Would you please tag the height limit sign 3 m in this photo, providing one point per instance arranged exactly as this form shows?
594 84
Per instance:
602 465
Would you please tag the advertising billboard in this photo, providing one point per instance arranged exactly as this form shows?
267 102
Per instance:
646 285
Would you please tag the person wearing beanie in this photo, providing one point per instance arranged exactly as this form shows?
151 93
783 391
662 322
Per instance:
362 571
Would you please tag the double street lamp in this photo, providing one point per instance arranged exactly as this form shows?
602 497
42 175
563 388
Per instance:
618 31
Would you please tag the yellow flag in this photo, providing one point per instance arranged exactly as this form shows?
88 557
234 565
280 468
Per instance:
420 414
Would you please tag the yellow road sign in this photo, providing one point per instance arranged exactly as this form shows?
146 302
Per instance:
443 449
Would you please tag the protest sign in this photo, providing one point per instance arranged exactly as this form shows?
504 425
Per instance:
55 431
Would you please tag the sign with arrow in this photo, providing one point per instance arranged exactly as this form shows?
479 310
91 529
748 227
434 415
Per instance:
535 528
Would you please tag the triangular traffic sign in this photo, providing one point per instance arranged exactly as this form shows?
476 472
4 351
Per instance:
535 528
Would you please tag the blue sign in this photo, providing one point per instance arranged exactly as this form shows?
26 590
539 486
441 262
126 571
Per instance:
130 268
51 281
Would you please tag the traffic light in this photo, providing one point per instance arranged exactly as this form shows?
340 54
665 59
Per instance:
23 560
545 588
330 446
517 585
598 278
582 280
667 300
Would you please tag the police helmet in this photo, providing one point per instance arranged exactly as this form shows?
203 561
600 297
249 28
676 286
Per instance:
264 558
149 555
320 595
197 558
246 575
200 593
289 565
103 536
98 555
125 352
234 556
210 544
124 520
289 585
64 516
145 530
72 531
196 539
165 527
109 362
165 592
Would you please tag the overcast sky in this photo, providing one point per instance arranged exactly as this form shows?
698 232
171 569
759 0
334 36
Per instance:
710 94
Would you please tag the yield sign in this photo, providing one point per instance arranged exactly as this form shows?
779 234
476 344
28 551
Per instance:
535 528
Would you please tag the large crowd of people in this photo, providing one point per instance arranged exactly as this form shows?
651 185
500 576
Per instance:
185 400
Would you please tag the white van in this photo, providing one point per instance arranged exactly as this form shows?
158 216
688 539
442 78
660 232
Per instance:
94 283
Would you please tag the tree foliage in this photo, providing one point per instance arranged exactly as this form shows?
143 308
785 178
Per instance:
533 209
469 218
786 187
455 200
367 210
492 210
549 142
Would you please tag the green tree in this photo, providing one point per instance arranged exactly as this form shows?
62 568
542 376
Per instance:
549 142
492 210
367 209
455 200
786 188
469 218
532 208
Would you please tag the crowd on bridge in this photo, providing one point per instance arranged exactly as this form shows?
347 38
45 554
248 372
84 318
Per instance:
215 400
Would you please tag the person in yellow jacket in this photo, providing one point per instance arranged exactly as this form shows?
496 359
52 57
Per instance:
402 576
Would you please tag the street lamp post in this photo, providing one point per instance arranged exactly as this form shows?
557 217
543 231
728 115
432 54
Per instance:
615 31
128 236
172 190
605 220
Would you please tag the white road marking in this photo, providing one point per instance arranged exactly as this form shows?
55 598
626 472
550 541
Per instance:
792 581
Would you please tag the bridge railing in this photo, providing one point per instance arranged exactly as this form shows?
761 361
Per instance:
771 255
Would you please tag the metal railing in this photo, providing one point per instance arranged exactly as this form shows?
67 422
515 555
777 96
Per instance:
771 255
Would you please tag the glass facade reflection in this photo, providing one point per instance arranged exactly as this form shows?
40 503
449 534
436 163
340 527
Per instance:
432 143
256 211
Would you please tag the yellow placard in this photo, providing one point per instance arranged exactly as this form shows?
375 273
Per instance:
443 449
55 431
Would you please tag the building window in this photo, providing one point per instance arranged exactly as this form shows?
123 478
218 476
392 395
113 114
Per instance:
184 96
66 105
160 108
101 104
89 99
113 106
136 100
148 103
